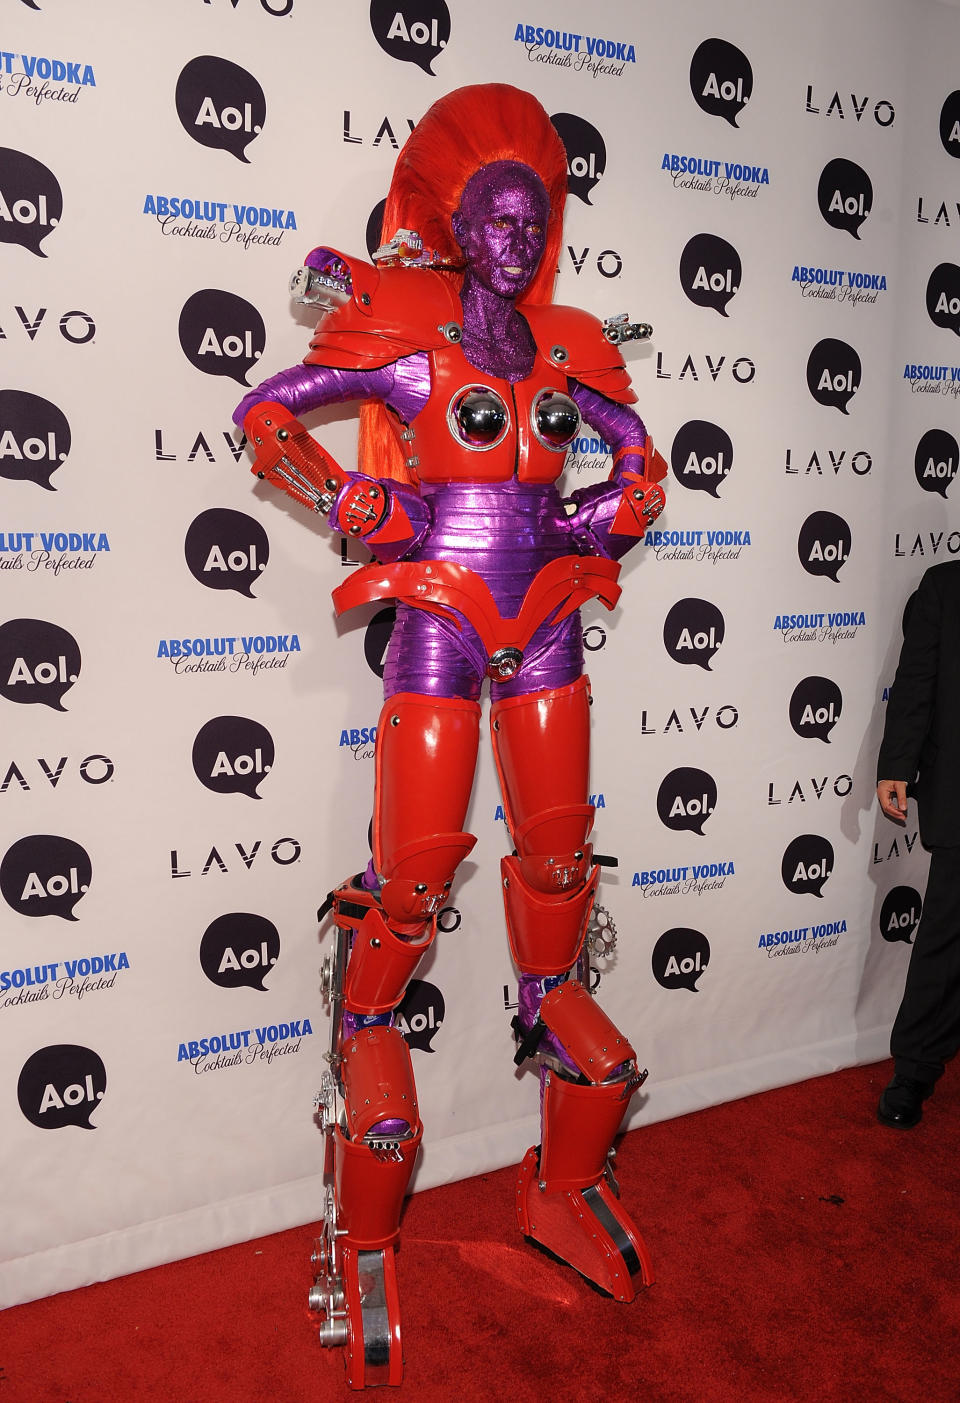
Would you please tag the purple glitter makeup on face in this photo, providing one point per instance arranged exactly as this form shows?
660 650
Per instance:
501 226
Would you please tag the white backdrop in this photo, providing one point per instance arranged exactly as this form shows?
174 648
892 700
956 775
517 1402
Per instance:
160 1018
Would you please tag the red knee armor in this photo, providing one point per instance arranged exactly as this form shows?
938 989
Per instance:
426 757
545 932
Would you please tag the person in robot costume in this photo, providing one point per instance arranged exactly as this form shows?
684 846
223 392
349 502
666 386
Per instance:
472 386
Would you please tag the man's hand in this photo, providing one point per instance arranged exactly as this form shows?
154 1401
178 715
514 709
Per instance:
892 794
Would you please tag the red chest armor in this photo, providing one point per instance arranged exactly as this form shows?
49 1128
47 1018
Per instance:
479 428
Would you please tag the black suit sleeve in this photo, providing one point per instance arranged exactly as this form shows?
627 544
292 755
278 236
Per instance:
911 701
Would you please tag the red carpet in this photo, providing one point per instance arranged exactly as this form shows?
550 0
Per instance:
803 1252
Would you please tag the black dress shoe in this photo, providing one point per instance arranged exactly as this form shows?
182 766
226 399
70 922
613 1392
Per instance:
901 1104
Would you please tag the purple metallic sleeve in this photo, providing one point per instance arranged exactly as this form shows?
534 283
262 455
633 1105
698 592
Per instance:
404 385
596 505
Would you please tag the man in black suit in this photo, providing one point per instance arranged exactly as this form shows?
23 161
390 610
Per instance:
920 753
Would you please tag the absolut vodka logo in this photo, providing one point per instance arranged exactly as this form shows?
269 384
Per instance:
586 153
31 201
845 195
34 438
721 79
411 31
220 105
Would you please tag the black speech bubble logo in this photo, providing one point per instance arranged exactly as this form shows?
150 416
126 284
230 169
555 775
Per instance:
220 105
34 438
679 958
823 544
45 875
239 950
935 461
31 201
833 373
221 333
686 799
39 662
226 549
233 755
586 153
411 31
377 637
721 79
943 297
693 631
374 230
701 456
845 195
420 1014
899 914
950 125
815 708
807 863
61 1085
710 271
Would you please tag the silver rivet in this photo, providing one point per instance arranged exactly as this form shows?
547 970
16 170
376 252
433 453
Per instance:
332 485
374 944
365 299
394 720
420 887
283 435
355 530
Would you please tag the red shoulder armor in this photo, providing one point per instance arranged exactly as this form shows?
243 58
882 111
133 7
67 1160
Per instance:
590 357
392 312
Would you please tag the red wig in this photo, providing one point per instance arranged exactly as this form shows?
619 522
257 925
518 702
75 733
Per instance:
469 128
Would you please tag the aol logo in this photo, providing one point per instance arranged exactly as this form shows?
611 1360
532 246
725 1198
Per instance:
230 345
239 950
245 560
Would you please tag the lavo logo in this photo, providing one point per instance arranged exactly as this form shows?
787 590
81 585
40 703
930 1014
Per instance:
710 271
39 662
31 201
45 875
935 461
232 755
411 31
277 8
221 333
823 544
586 153
833 373
807 863
845 195
693 631
225 549
701 456
721 79
220 104
815 708
686 799
61 1085
943 297
900 914
93 769
238 950
34 438
76 327
679 958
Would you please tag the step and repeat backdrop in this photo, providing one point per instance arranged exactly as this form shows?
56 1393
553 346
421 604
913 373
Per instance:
187 738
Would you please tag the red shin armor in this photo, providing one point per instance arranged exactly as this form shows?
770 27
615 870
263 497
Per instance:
381 965
545 932
566 1196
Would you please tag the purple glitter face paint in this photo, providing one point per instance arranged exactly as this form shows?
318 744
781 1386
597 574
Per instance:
501 226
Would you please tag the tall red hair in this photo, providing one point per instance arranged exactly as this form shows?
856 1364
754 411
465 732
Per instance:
463 131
